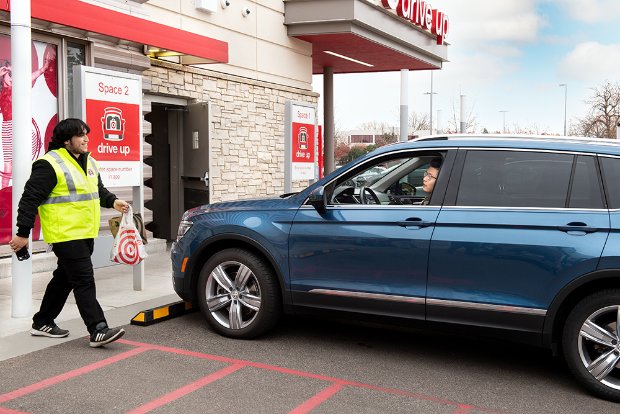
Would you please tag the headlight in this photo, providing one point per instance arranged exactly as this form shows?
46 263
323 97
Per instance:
184 226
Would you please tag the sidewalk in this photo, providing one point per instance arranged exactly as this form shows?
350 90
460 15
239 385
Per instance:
114 292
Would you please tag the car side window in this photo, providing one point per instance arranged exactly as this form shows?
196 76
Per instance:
586 190
611 175
515 179
388 180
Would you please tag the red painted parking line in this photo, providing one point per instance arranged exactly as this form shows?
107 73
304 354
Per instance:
317 399
465 409
460 408
68 375
337 384
9 411
191 387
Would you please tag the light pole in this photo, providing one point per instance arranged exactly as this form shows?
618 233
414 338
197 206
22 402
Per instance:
565 96
504 116
431 93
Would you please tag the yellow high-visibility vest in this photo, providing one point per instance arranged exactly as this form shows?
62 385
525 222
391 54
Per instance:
71 212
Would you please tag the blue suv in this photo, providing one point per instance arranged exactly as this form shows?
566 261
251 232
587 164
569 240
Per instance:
519 236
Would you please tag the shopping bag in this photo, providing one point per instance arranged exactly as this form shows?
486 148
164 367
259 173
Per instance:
115 223
128 247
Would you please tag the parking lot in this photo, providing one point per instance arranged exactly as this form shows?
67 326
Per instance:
306 365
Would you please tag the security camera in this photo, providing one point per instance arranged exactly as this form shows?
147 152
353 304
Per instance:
245 12
225 3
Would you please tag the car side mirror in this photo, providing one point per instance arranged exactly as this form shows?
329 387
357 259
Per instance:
317 199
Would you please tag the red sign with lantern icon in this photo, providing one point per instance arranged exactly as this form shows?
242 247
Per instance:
112 107
115 130
303 142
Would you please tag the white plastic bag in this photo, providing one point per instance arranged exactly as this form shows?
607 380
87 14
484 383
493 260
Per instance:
128 247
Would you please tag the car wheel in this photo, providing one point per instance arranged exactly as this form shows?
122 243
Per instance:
238 293
591 343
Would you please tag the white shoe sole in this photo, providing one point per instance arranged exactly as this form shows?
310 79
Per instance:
107 341
34 332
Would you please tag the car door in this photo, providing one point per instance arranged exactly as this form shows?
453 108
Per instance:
369 257
611 173
514 229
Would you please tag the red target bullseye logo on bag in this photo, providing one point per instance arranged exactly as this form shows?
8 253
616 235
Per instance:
128 248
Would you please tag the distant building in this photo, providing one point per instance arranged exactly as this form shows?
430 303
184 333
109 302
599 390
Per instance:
372 137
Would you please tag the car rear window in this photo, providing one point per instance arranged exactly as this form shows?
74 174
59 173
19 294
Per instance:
515 179
611 174
586 190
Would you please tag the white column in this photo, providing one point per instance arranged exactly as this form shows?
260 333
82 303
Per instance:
329 125
404 104
463 127
21 58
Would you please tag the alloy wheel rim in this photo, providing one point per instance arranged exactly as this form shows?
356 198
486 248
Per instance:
599 345
233 295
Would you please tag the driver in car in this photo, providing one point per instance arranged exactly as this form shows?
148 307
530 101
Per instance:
430 177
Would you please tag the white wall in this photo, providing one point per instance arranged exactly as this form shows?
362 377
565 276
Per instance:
258 45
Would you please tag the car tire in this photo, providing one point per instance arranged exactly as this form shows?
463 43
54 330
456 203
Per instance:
591 334
239 294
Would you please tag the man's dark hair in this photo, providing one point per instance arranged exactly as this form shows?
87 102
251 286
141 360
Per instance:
65 130
436 162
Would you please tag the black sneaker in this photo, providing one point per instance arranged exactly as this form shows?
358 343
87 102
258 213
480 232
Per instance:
52 331
105 336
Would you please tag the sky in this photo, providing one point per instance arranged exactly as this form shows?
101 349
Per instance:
504 55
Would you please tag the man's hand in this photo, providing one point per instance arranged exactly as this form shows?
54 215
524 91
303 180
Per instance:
18 242
121 205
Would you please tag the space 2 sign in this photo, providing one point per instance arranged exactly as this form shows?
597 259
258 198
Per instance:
112 103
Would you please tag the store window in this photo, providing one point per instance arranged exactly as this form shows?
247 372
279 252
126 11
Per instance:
76 55
44 118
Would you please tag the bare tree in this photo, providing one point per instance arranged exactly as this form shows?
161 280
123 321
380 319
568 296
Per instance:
532 129
379 127
454 124
339 134
419 122
603 115
386 138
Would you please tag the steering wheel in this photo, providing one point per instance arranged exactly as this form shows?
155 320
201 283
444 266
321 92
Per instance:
371 192
407 188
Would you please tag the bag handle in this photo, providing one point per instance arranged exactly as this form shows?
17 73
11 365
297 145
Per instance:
128 217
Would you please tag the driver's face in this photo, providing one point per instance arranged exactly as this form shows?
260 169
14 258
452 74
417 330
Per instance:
430 177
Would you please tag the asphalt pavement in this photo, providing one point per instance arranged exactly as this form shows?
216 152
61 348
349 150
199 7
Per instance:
114 292
305 365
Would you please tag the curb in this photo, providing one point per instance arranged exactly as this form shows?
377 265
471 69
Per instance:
162 313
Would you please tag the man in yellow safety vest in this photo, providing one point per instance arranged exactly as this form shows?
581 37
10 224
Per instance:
66 189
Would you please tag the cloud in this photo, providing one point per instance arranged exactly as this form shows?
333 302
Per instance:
476 22
474 70
591 61
591 11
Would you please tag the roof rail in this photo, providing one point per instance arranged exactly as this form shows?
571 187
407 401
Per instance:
555 138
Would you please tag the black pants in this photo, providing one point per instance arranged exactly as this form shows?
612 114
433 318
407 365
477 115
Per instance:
74 272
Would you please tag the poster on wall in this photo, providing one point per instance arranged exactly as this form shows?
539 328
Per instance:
44 119
300 143
111 104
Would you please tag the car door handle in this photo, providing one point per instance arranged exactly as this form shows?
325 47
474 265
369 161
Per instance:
577 226
414 221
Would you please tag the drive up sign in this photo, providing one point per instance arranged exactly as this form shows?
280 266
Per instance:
300 143
111 104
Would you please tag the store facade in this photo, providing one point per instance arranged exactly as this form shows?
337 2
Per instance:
216 78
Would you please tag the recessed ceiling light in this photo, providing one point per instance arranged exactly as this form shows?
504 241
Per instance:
348 58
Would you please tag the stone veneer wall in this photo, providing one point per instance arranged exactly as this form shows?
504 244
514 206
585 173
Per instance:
247 132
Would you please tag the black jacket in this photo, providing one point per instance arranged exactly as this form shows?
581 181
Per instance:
38 188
